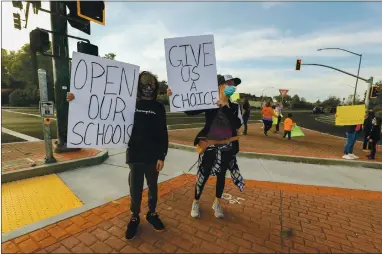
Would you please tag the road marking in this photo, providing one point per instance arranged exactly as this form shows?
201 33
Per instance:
19 135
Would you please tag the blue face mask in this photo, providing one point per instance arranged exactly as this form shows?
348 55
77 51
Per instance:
229 90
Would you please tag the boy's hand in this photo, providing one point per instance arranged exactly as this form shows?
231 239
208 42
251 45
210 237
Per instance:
169 92
70 96
160 165
370 140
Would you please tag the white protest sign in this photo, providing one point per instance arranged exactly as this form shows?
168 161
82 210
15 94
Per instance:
102 113
191 73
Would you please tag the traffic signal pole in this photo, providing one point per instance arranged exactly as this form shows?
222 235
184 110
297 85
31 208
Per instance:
61 71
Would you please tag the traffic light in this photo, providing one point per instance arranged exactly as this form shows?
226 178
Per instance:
87 48
298 64
16 21
83 24
374 92
17 4
92 11
36 5
39 41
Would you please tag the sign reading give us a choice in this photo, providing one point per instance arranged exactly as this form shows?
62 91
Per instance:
102 113
191 72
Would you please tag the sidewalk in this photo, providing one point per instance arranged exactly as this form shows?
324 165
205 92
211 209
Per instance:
322 220
313 144
23 155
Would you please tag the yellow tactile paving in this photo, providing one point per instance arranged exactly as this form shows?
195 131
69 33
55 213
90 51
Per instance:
31 200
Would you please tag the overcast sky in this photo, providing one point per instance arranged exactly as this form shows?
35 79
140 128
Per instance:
258 42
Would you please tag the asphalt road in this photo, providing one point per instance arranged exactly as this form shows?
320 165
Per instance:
28 122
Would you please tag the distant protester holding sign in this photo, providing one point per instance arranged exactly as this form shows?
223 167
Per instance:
217 144
147 149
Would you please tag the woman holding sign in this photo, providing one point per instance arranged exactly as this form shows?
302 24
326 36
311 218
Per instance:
147 149
217 144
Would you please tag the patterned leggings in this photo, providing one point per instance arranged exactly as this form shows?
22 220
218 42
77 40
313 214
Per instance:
215 162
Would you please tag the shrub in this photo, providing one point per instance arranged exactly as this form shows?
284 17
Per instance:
19 98
163 99
33 95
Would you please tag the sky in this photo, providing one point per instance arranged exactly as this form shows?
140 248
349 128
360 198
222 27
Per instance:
258 42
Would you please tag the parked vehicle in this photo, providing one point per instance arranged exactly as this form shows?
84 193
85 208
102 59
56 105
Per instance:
318 110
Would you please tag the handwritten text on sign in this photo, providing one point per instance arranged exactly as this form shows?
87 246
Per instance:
102 113
191 72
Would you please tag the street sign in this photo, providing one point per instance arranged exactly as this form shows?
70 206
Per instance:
283 92
47 109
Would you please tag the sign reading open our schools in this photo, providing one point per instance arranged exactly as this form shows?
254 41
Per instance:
191 72
102 113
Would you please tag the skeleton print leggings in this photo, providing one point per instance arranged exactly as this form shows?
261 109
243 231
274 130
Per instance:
214 163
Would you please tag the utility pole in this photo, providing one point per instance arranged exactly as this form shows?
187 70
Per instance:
61 71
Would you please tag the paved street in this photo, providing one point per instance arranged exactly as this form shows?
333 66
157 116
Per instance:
28 122
329 208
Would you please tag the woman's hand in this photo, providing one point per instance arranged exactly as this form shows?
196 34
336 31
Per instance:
160 165
70 96
370 140
222 103
169 92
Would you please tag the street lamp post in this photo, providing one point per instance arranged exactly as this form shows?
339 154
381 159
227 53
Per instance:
262 93
359 67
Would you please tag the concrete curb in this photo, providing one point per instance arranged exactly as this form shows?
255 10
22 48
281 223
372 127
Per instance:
53 168
296 159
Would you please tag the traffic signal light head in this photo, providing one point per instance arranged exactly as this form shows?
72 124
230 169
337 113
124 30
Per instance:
39 41
374 92
92 11
16 21
17 4
298 64
87 48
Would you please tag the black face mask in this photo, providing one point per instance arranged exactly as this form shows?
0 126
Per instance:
147 85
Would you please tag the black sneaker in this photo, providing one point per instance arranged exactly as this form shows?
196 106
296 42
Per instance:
132 227
154 220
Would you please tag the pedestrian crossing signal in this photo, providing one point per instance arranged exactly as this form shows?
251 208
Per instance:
298 64
374 92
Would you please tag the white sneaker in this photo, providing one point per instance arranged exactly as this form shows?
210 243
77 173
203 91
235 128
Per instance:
353 155
195 211
348 157
218 210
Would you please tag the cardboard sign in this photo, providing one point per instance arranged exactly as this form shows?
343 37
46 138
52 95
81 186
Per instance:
297 132
102 113
350 115
283 92
191 73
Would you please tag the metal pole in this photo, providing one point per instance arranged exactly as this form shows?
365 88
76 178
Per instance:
356 83
45 127
367 99
61 72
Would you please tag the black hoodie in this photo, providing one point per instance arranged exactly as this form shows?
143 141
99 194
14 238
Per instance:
149 137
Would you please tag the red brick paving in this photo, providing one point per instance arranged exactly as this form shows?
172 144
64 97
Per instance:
30 154
323 220
314 144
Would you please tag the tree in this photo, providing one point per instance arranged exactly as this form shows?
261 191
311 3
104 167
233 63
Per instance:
279 98
110 56
349 100
162 87
332 101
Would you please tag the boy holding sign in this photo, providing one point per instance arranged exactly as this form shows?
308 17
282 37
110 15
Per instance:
147 149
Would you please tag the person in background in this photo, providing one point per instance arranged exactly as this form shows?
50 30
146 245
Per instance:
367 124
279 116
262 106
288 125
246 114
374 136
267 113
351 137
146 152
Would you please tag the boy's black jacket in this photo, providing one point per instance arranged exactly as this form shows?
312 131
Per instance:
149 137
232 112
375 133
